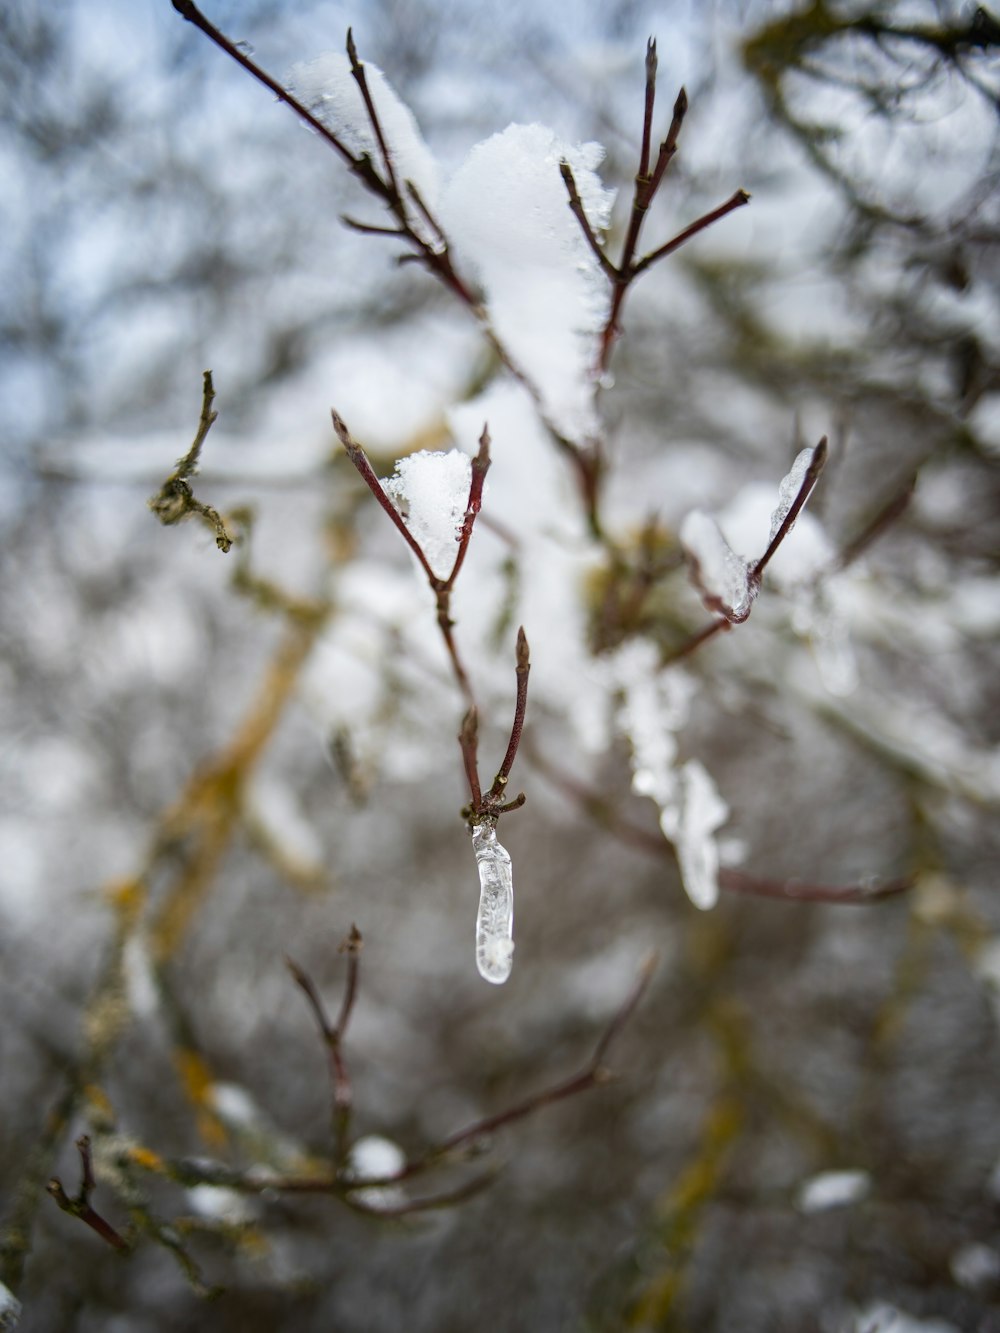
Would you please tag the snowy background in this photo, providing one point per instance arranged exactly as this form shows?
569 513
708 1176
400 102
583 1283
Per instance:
804 1131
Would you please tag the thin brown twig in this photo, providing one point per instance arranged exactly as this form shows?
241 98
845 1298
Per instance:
645 189
361 79
480 467
593 1072
523 670
333 1036
816 465
668 147
359 458
692 644
369 229
893 509
468 739
755 573
80 1206
650 99
193 14
735 201
579 212
425 212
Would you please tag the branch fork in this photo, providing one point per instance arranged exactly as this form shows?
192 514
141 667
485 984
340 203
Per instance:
493 803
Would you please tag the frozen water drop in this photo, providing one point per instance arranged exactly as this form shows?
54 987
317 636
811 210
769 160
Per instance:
495 919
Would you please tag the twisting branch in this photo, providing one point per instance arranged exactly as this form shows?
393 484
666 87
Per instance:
80 1206
175 500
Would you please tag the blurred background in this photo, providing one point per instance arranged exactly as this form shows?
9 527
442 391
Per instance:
212 761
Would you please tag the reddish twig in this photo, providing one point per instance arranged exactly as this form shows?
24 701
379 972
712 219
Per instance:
755 573
361 79
736 200
80 1205
523 669
874 528
816 465
436 259
594 1072
578 211
647 117
493 804
333 1036
468 739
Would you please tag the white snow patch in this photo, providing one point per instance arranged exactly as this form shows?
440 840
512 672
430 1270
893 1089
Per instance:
880 1317
975 1265
507 215
833 1189
328 89
376 1158
690 823
220 1205
431 491
10 1309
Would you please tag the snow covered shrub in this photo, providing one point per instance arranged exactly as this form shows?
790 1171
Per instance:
689 620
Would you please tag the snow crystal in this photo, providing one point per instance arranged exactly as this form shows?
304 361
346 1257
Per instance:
689 823
833 1189
790 486
495 918
10 1309
328 89
721 574
431 491
506 214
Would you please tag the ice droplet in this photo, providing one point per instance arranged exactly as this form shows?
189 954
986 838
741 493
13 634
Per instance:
495 920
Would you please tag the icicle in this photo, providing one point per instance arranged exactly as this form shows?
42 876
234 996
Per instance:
495 921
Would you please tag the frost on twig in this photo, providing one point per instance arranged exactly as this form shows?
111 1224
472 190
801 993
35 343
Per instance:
728 583
721 576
